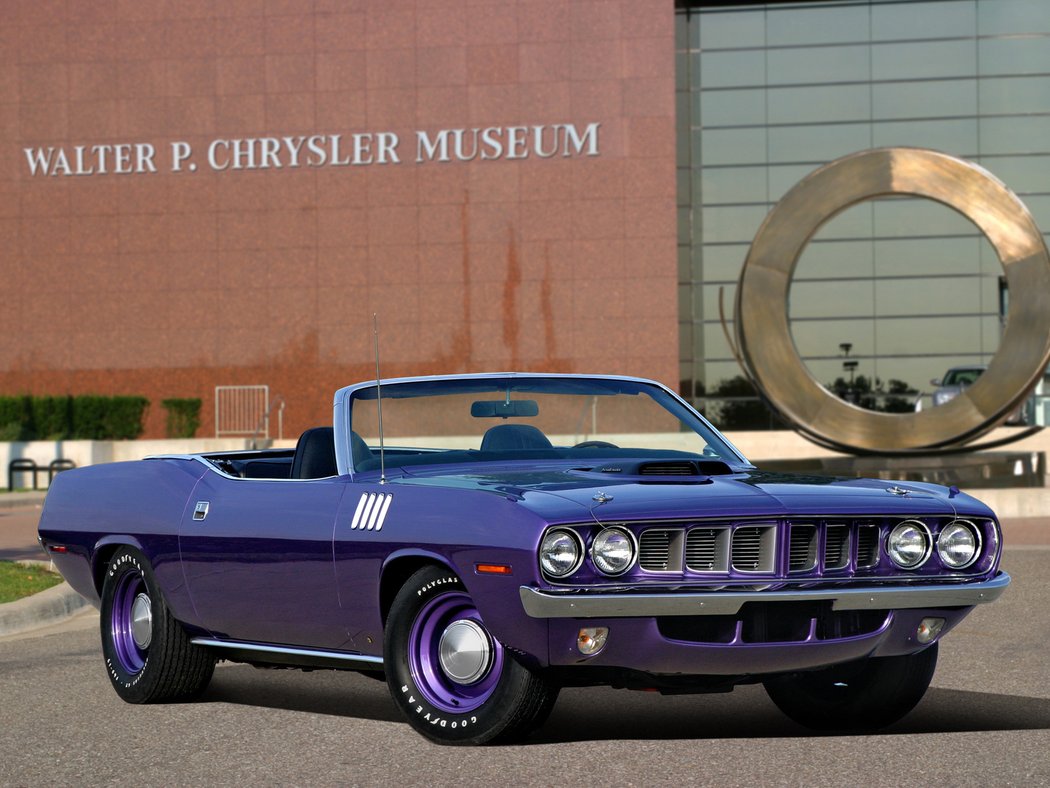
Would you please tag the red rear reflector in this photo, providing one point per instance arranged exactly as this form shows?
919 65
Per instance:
493 569
58 548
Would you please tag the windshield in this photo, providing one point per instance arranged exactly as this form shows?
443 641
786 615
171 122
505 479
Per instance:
961 377
474 420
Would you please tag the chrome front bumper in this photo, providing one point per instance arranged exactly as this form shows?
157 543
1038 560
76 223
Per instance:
541 604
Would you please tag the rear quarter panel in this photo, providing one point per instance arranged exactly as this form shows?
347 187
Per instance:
93 510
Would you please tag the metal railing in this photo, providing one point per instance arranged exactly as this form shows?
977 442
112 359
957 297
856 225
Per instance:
240 410
263 427
23 465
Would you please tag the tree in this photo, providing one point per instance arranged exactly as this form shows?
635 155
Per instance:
899 404
741 414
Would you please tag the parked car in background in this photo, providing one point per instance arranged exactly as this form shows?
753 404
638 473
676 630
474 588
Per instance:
958 379
955 381
482 541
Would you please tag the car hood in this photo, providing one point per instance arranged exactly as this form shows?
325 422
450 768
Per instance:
568 495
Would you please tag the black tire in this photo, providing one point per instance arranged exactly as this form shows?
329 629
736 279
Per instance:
500 701
149 656
858 696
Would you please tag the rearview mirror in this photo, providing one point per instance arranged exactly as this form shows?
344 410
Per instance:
503 409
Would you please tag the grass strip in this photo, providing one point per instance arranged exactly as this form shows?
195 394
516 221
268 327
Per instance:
22 580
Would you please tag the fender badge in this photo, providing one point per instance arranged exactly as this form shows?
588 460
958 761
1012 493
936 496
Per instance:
601 497
895 490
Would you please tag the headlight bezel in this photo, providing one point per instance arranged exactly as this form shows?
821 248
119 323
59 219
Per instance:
593 552
576 564
974 531
928 543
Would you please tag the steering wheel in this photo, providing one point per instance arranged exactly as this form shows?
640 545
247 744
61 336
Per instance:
596 445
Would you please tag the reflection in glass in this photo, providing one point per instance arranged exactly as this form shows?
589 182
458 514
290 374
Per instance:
776 90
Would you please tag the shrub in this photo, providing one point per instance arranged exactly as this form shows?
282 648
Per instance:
11 431
123 418
83 417
16 418
52 417
89 413
107 418
184 416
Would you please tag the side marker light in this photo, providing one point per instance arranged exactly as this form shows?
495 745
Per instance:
493 569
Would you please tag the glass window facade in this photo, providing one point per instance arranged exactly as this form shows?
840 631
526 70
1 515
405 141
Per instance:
769 92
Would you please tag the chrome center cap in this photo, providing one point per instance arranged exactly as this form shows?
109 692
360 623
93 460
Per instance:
465 651
142 621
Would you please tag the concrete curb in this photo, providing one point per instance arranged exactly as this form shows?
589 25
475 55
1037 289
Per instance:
48 607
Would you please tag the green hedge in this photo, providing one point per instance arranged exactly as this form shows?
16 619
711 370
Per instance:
16 418
184 416
83 417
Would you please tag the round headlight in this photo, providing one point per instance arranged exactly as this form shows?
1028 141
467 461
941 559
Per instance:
613 551
560 553
958 545
909 544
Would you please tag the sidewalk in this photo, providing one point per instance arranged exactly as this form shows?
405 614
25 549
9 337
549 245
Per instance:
18 525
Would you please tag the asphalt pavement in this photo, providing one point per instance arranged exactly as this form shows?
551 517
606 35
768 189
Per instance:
985 720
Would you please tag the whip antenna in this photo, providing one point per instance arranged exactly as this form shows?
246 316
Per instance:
379 401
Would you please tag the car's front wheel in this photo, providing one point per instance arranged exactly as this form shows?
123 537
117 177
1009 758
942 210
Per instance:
149 656
453 680
865 695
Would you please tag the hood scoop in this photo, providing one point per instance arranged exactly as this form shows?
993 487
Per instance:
684 468
682 471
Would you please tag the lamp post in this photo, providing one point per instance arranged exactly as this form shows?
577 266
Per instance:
849 365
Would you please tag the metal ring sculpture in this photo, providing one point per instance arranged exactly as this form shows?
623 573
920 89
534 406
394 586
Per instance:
763 332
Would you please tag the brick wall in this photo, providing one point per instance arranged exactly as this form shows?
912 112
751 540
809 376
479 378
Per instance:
168 283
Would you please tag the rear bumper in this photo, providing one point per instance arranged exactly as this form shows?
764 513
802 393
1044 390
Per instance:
543 604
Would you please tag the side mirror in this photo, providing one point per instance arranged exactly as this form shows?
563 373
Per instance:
935 382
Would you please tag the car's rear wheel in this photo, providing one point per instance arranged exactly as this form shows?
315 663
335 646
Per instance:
453 680
865 695
149 656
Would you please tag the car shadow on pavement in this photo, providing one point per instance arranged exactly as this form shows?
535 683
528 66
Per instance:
338 693
746 713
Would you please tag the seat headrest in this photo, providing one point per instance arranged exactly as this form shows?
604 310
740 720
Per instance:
507 437
315 454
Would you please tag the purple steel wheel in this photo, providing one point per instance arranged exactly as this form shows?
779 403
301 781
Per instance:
131 621
455 662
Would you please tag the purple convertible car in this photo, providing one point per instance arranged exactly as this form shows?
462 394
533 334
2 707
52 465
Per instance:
483 540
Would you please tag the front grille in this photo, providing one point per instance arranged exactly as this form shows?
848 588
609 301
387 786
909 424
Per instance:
867 546
836 546
705 550
654 550
810 548
774 622
803 551
753 549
